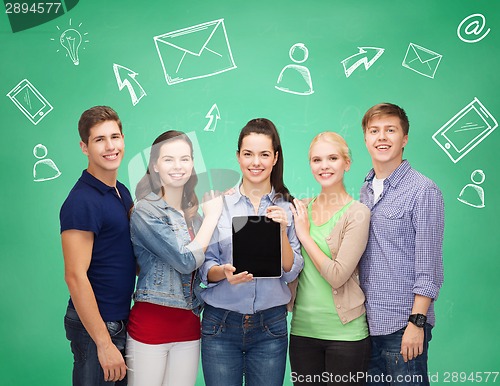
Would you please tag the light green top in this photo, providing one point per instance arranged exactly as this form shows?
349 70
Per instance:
314 313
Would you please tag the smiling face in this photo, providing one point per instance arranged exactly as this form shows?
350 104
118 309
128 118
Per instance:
174 164
328 164
385 140
257 158
105 149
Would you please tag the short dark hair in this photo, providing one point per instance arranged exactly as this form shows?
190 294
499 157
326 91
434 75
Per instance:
92 117
387 109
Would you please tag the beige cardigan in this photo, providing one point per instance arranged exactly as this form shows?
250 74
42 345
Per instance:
347 242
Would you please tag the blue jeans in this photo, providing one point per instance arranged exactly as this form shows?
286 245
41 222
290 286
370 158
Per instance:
387 366
235 345
87 370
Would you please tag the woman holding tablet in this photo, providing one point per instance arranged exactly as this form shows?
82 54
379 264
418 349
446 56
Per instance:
244 327
329 332
169 238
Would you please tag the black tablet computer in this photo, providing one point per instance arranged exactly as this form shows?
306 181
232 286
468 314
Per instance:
256 246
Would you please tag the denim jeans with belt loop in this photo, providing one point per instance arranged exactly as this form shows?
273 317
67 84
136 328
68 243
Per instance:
387 367
253 346
87 370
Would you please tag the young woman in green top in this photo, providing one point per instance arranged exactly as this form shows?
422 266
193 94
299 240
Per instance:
329 341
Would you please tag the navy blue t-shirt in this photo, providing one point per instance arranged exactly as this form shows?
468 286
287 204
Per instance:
96 207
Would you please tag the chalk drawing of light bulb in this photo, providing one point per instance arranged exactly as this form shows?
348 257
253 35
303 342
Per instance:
473 194
71 40
44 169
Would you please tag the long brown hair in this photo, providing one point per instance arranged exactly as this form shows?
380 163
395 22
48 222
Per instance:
151 181
266 127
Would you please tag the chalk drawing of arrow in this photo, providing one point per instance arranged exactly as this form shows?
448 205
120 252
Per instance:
213 115
125 77
362 57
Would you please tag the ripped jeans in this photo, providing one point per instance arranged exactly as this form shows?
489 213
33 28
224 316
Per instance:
387 366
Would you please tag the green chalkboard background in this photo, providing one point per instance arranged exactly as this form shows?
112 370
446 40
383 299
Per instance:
33 348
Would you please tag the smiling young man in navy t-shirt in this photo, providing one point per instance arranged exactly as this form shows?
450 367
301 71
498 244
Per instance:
99 264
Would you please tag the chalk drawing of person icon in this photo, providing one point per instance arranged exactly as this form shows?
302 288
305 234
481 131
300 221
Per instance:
45 169
295 78
473 194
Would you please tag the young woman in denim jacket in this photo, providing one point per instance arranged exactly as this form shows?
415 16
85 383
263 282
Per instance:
169 239
329 333
244 327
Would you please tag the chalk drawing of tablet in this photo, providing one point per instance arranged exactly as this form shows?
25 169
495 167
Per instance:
465 130
29 100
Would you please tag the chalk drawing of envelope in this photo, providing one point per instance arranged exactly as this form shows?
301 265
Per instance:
195 52
421 60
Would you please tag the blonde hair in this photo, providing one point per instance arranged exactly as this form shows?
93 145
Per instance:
335 139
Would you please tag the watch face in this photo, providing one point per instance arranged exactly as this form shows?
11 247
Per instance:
420 321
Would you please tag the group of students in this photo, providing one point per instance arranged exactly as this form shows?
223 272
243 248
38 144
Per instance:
360 277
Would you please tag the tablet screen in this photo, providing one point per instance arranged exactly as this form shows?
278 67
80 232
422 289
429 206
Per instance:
256 246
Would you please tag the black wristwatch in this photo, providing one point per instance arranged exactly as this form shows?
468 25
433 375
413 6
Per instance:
418 320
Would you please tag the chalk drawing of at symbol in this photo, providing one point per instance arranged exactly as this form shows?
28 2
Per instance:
295 78
474 26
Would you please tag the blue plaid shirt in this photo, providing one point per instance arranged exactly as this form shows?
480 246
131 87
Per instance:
403 257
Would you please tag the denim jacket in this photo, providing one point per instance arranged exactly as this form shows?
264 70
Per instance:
166 256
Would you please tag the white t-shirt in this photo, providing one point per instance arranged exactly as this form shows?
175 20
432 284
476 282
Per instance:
378 187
